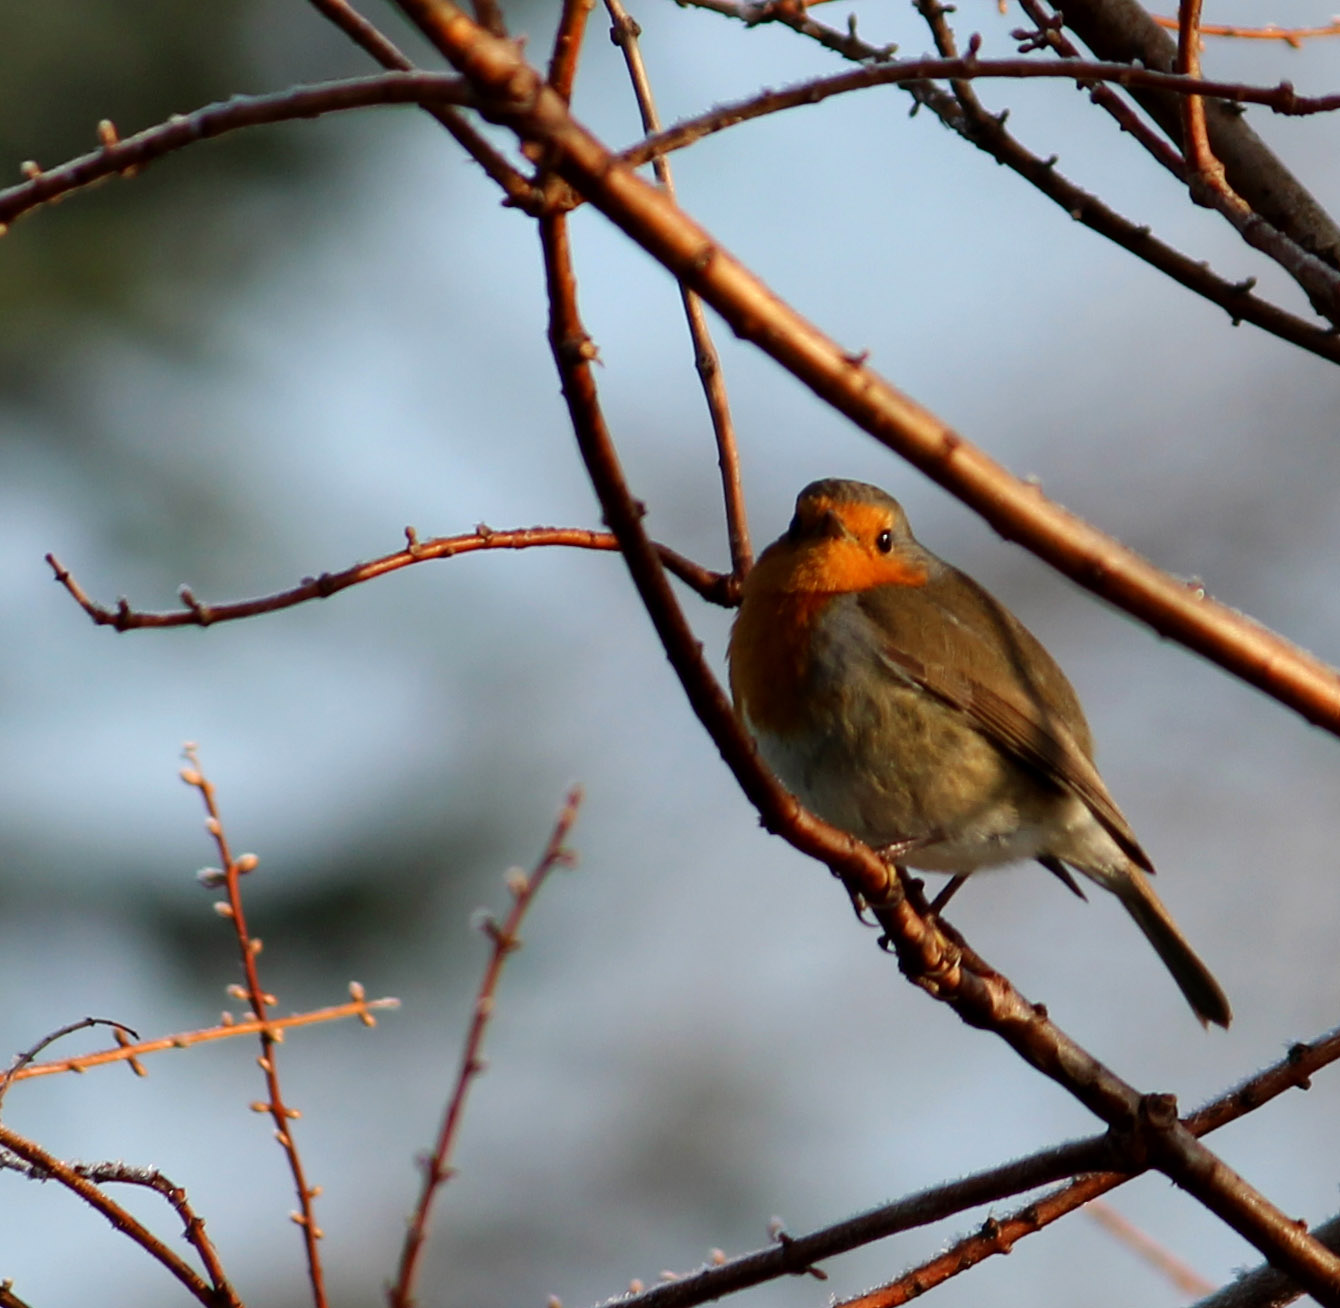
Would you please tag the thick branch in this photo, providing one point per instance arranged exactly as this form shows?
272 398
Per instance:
1123 32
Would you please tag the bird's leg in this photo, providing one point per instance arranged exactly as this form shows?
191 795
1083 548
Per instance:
948 893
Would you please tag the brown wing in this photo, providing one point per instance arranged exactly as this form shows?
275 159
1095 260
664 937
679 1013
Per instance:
957 643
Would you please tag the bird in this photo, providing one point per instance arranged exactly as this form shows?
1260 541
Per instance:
898 700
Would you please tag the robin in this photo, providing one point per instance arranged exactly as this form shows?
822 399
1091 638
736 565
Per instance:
903 703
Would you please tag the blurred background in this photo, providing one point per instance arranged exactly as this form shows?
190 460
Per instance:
266 356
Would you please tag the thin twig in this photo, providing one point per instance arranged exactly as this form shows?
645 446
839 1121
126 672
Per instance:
118 1173
999 1236
1291 36
1234 297
249 946
1282 98
116 156
1183 1278
515 185
363 33
24 1060
625 32
358 1007
568 40
1123 31
798 1253
506 940
716 587
218 1295
1050 32
1195 138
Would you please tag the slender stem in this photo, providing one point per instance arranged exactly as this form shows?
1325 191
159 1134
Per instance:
706 359
249 947
713 586
506 941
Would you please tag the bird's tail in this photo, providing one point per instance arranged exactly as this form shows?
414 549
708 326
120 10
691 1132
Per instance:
1202 991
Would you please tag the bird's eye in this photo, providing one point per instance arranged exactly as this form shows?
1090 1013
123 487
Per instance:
884 542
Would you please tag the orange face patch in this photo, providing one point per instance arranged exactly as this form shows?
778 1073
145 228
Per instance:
842 561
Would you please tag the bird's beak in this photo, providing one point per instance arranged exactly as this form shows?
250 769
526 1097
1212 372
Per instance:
831 527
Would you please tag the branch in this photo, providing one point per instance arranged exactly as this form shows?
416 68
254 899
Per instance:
47 1167
131 1053
1291 36
193 1226
718 588
249 946
1265 1287
568 45
999 1236
128 156
624 33
1182 1277
1320 281
24 1060
1123 31
796 1254
506 941
990 136
1283 99
514 184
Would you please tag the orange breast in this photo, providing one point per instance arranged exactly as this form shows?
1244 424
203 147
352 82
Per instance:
770 650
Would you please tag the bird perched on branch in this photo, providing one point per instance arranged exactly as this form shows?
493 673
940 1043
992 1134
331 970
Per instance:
902 703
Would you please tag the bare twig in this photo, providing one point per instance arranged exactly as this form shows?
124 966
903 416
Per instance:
116 156
249 946
999 1236
1291 36
1124 32
1186 1280
714 586
24 1060
363 33
1050 32
624 33
799 1253
193 1226
515 185
1235 298
1283 99
505 940
219 1294
358 1007
1318 279
1195 137
567 49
